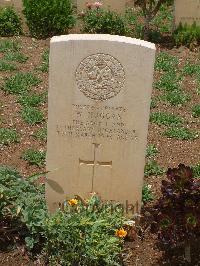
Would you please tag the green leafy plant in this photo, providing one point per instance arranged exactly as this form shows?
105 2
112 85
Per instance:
31 100
196 110
99 20
8 46
191 69
22 207
5 66
32 115
180 133
84 234
10 23
152 168
45 18
34 157
163 118
44 67
16 57
188 35
41 134
147 194
166 62
150 8
169 82
8 136
163 21
151 151
176 97
196 170
154 102
177 212
20 83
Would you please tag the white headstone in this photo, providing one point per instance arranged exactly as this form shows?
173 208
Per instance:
99 101
187 12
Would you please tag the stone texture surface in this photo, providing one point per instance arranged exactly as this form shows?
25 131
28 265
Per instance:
16 3
99 100
187 11
115 5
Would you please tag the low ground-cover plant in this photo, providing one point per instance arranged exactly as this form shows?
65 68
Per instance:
169 81
10 23
99 20
20 83
196 170
196 110
6 66
46 18
44 67
81 232
147 194
85 234
32 115
177 212
8 136
15 57
180 133
31 100
176 97
188 35
151 151
166 62
22 207
167 119
9 46
152 168
191 69
34 157
41 134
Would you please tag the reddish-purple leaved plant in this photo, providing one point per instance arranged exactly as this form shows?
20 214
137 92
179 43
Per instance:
177 213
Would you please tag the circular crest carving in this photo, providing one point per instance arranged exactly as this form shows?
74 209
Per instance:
100 77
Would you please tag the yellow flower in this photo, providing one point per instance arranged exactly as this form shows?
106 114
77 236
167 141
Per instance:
121 233
73 202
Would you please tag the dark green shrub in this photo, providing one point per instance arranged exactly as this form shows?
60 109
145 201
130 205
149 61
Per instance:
187 35
48 17
10 23
104 21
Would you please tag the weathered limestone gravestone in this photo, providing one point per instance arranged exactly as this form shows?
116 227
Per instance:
15 3
99 101
115 5
187 12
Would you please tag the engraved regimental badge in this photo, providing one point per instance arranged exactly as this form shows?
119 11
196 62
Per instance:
100 77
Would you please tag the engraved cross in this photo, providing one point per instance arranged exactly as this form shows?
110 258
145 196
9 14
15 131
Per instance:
94 163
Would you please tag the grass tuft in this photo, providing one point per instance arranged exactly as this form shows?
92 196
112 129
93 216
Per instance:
32 115
34 157
180 133
7 46
16 57
8 136
5 66
162 118
20 83
196 111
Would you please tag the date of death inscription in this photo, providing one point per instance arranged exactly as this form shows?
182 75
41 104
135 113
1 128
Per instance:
90 121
